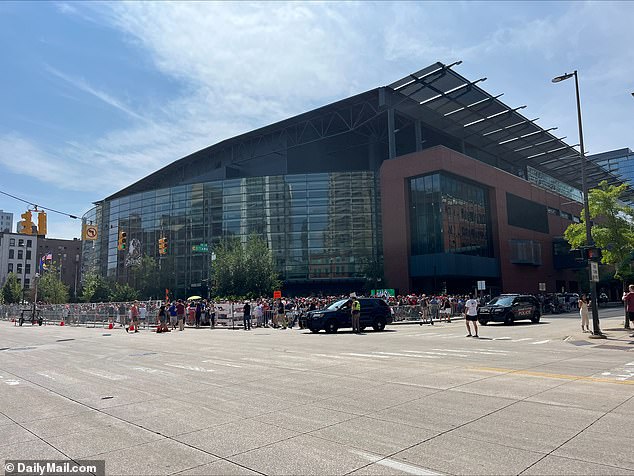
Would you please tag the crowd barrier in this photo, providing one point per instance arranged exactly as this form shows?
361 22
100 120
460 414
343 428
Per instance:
227 314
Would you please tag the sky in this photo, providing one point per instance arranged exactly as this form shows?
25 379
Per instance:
95 96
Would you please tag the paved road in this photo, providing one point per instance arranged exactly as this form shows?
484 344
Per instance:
525 399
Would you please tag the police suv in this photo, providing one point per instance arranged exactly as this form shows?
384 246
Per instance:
508 308
374 312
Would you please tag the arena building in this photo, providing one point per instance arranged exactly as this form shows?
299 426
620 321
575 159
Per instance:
430 179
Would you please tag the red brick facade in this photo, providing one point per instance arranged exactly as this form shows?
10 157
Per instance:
394 176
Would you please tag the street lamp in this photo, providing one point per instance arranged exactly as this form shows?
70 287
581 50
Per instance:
584 190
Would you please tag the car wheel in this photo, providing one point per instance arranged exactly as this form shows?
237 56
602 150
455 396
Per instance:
331 327
379 325
508 320
314 330
21 321
484 322
535 318
362 328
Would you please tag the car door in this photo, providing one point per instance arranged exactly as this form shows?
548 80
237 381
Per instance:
367 312
344 315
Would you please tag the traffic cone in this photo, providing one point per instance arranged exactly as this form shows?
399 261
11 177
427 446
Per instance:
61 323
131 328
110 326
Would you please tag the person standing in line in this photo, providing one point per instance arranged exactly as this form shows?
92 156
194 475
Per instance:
259 314
142 313
281 314
211 309
198 313
471 316
628 299
172 313
433 307
355 308
583 313
180 314
246 316
122 316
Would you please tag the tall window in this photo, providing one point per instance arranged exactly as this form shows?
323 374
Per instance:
11 241
11 254
449 215
20 254
29 243
10 268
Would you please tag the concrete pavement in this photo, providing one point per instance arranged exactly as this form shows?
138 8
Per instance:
524 399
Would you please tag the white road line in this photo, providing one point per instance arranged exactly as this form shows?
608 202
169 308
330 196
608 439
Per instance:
523 339
396 354
106 375
540 342
211 361
395 465
501 338
149 370
190 367
367 355
43 374
12 382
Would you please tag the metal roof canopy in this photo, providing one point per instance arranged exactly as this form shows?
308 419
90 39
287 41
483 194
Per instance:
463 109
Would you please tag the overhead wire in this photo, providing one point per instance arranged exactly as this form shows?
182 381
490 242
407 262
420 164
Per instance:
74 217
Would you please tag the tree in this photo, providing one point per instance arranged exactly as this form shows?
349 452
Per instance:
95 288
123 293
243 271
12 291
147 278
51 289
611 229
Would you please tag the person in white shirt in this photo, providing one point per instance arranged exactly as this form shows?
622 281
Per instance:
471 316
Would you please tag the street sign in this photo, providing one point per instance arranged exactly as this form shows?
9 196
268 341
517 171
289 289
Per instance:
201 248
481 285
594 271
90 232
542 286
277 294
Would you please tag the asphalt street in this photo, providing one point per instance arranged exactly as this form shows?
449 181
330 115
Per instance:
522 399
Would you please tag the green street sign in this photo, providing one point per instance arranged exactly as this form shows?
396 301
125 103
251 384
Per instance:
201 248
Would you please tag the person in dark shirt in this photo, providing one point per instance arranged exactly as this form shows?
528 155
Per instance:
246 310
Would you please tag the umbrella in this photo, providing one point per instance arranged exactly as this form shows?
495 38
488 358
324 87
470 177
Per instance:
194 298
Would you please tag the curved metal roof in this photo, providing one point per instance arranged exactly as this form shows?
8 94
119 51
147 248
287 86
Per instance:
466 111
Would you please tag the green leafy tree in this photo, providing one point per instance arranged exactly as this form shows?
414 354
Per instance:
95 288
243 270
50 287
12 291
611 230
122 292
147 278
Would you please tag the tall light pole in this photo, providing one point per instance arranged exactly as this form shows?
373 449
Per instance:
584 190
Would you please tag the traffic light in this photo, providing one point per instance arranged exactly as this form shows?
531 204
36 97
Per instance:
41 223
123 240
27 226
593 254
162 246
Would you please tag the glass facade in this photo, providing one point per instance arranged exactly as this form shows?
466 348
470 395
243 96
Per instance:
449 215
318 226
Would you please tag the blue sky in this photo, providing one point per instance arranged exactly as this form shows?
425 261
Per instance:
95 96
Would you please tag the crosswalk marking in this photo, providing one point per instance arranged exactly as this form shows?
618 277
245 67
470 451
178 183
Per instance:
367 355
396 354
523 339
540 342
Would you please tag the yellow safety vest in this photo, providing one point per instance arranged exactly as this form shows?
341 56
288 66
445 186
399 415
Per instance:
356 306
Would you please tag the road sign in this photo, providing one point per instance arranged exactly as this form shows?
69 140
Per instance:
594 271
542 286
277 294
481 285
201 248
90 232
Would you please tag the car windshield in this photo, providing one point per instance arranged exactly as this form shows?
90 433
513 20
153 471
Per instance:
501 301
337 305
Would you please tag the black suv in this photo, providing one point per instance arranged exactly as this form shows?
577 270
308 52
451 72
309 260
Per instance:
508 308
374 312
